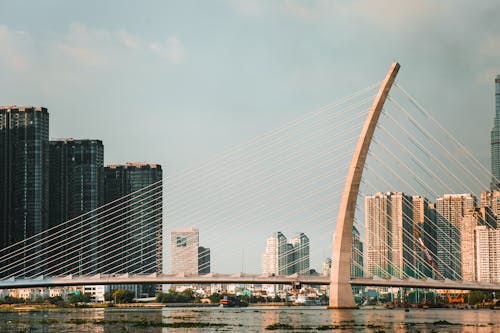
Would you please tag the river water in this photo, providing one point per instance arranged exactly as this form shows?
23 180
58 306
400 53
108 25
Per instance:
251 319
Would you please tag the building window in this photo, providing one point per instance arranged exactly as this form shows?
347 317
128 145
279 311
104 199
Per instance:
181 241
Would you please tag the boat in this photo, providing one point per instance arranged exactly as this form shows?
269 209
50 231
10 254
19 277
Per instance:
232 302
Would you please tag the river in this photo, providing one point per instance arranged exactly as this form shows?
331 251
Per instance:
251 319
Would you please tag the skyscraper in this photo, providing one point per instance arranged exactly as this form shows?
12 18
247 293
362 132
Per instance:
140 239
285 258
487 254
495 140
76 178
24 186
424 219
76 182
274 259
299 254
389 230
467 243
450 211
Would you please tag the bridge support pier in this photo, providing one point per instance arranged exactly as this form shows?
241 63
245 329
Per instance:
340 287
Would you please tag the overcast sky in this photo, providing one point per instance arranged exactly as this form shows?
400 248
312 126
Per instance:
175 82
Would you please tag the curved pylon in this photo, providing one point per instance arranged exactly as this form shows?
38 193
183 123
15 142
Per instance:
340 288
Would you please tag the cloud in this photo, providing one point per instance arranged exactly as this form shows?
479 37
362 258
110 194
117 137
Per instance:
14 46
172 50
100 47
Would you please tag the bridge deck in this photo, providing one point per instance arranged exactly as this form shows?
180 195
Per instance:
238 279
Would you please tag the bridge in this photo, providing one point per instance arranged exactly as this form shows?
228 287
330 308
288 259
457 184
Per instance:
241 279
118 242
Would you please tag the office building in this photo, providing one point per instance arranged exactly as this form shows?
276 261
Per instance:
186 254
203 260
389 230
24 184
450 211
135 224
495 140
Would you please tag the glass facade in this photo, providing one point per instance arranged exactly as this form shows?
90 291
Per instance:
140 239
76 182
24 159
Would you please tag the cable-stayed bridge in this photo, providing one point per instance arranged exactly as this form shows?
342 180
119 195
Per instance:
303 176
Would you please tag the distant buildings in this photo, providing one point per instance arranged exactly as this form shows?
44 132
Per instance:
186 254
283 258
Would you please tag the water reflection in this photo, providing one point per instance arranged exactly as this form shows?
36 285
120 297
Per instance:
248 320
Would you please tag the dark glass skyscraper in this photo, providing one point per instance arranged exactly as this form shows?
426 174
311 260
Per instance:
76 178
76 185
495 140
24 136
137 220
24 158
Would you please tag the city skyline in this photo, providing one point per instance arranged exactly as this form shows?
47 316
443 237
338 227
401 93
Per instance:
100 72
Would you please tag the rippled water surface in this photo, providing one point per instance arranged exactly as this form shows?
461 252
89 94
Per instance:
252 319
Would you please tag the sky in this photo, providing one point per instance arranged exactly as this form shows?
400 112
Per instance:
177 82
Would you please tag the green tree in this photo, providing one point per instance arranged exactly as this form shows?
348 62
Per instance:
122 296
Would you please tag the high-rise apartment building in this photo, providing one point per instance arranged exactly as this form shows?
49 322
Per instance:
284 258
275 259
299 254
487 245
424 219
467 242
24 161
490 205
389 230
450 211
139 235
76 178
76 182
495 140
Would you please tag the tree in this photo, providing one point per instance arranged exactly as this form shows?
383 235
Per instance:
122 296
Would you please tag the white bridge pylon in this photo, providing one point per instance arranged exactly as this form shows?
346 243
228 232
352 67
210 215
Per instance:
340 287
